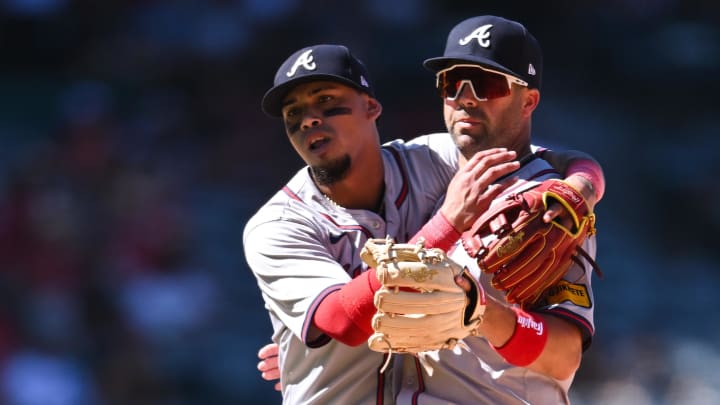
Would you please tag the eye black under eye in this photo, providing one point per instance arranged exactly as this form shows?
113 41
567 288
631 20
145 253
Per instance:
337 111
292 127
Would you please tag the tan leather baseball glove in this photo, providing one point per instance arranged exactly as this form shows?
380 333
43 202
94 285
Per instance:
420 307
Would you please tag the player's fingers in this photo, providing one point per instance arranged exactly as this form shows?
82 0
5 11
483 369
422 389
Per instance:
269 350
482 161
557 212
496 189
494 159
268 364
488 168
271 375
552 212
479 172
478 156
278 386
463 283
497 171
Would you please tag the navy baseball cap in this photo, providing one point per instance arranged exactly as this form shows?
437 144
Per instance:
495 43
317 62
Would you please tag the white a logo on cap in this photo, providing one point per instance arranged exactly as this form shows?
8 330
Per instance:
305 60
482 34
531 70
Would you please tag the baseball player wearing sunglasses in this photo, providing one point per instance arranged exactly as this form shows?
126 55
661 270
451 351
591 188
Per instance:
303 244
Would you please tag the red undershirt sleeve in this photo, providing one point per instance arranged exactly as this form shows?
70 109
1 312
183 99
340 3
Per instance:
438 233
346 314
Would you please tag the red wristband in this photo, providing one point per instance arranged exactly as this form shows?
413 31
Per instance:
527 341
438 233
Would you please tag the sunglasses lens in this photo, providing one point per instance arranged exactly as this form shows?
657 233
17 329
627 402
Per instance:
487 85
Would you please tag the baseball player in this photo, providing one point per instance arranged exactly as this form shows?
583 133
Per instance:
525 356
303 244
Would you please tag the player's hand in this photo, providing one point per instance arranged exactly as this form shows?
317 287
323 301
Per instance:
463 283
556 210
471 190
268 364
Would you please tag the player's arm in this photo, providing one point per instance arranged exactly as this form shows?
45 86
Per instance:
542 343
346 314
469 194
582 172
330 305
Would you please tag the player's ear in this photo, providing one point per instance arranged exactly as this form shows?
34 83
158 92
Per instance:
530 101
374 108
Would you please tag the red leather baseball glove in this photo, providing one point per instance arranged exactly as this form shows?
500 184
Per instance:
525 254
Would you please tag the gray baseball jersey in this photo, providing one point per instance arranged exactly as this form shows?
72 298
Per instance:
479 375
300 247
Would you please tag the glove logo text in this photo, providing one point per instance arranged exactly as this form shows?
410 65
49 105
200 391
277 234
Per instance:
569 194
512 244
421 275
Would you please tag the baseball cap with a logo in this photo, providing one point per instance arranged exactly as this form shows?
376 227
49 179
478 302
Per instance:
317 62
495 43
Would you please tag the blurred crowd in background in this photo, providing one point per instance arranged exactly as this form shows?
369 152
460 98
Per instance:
133 149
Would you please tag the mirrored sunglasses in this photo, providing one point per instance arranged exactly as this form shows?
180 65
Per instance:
485 84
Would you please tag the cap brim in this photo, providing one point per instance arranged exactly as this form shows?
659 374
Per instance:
272 101
437 64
